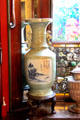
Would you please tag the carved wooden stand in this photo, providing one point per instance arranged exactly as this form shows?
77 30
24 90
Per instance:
36 102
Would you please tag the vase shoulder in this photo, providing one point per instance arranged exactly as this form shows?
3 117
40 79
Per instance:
41 52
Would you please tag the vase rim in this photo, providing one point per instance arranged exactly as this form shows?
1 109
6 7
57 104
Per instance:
34 20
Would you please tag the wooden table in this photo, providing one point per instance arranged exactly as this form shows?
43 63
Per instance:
61 109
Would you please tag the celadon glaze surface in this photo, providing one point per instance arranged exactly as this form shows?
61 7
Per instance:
40 62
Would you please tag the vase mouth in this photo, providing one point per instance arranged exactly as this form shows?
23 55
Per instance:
36 20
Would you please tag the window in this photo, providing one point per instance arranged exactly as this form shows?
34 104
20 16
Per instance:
66 39
66 21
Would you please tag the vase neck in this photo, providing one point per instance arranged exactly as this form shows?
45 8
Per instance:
39 34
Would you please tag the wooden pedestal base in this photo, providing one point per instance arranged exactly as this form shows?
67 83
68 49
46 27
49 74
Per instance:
41 105
74 108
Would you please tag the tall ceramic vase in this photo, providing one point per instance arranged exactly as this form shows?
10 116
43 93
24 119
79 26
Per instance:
40 62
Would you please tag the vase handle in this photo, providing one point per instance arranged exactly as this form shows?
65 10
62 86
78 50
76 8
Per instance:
23 25
12 17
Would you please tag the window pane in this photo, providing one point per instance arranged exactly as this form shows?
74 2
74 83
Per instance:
66 21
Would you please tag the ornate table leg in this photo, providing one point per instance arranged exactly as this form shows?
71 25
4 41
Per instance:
53 102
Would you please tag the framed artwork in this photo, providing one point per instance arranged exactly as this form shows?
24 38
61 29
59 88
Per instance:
66 21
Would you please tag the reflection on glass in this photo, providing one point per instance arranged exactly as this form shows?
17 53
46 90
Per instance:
66 21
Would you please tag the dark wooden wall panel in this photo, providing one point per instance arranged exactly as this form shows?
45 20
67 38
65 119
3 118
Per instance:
42 9
16 77
45 8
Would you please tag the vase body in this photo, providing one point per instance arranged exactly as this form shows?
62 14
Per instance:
40 62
